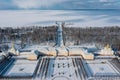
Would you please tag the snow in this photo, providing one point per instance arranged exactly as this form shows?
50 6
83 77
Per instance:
101 67
49 17
61 71
34 47
22 68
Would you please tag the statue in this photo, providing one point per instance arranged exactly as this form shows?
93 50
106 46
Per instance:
13 50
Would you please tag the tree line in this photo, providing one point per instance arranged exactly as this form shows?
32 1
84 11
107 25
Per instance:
77 35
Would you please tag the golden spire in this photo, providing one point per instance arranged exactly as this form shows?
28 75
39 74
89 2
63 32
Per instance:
107 46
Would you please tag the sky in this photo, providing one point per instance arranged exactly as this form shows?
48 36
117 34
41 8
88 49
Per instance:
15 13
76 18
58 4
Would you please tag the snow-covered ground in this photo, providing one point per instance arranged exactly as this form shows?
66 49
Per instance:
34 47
22 68
48 17
61 69
101 67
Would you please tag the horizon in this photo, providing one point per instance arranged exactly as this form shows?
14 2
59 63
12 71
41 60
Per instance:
82 13
79 18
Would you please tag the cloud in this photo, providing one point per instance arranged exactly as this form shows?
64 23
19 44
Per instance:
31 4
107 0
104 0
78 18
6 4
96 4
59 4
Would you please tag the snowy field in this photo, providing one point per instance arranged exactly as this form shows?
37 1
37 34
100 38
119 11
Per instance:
34 47
21 68
101 67
77 18
61 69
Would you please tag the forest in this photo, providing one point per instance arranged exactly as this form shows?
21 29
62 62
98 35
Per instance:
76 35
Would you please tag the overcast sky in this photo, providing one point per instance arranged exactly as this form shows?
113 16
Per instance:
78 18
41 12
58 4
